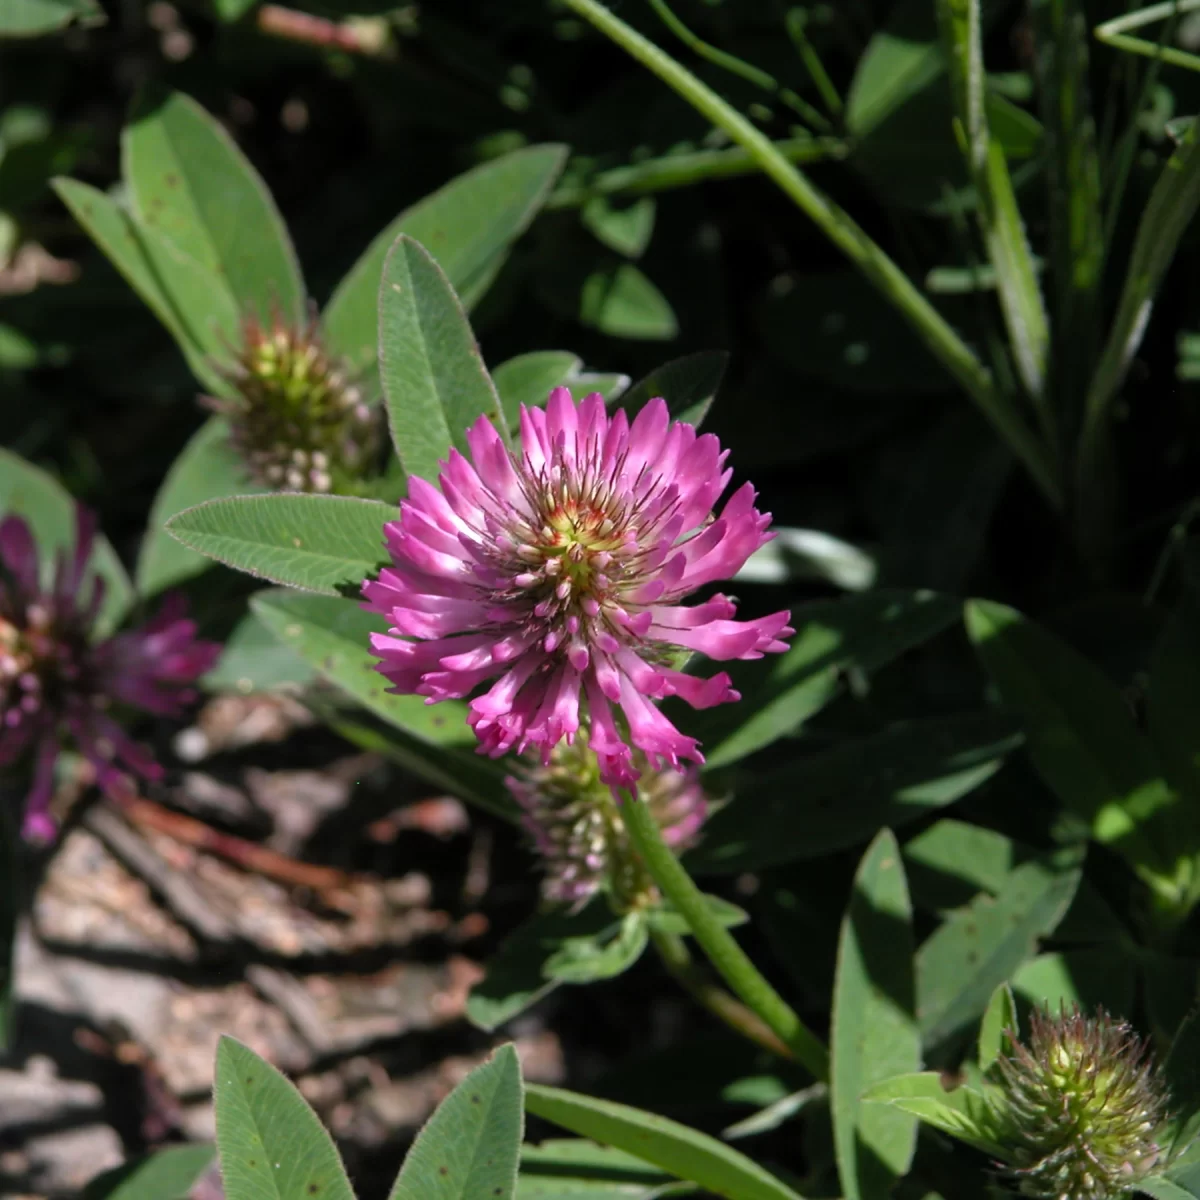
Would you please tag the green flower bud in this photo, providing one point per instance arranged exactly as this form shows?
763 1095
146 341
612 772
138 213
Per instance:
1082 1109
575 825
295 419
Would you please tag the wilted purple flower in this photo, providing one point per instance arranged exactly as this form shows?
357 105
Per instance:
560 569
55 684
578 832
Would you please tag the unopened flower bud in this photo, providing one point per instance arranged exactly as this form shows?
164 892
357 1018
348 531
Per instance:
576 827
1082 1109
294 417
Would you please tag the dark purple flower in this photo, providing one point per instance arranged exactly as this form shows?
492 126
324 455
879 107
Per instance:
56 685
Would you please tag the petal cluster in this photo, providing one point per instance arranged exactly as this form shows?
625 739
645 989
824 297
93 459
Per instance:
554 574
55 684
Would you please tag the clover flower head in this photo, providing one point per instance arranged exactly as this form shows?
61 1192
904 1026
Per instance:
294 417
57 684
1081 1110
557 572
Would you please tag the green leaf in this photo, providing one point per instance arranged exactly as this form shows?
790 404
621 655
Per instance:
840 797
588 959
468 1150
191 302
626 230
874 1032
1075 178
999 1016
468 225
688 385
1080 735
952 860
165 1175
516 976
666 919
809 554
1090 978
319 543
207 468
966 958
333 636
33 18
1162 1188
255 660
678 1150
49 509
833 637
528 379
191 183
434 380
271 1144
563 1168
1181 1071
961 1112
902 58
622 302
999 217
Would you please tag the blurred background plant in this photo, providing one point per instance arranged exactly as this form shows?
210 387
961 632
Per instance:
933 258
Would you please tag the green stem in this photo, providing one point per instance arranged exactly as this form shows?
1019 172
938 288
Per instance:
679 962
797 22
941 338
683 170
718 944
744 70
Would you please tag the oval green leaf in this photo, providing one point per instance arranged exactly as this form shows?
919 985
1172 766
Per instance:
623 302
35 18
841 797
967 957
565 1168
196 308
191 183
676 1149
319 543
874 1032
516 976
469 1148
999 1018
528 379
468 225
832 637
165 1175
207 468
1079 732
255 659
434 382
271 1144
688 385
